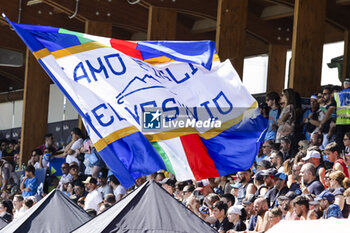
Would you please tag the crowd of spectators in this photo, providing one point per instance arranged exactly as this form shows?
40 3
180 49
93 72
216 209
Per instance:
301 171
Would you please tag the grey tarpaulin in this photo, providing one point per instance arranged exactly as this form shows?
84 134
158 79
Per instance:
3 223
54 213
147 209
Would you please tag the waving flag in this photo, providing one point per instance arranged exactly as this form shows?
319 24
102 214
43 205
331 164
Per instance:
153 105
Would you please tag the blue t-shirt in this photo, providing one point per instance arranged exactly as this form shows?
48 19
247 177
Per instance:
32 184
273 117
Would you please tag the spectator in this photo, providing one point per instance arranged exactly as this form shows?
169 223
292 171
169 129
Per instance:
296 178
312 117
275 216
187 192
65 178
280 188
329 107
18 206
118 190
267 148
74 171
72 150
30 183
247 185
6 210
204 213
333 151
104 207
272 101
346 209
28 203
91 212
336 183
228 199
260 208
309 183
276 159
248 204
286 206
286 121
263 165
286 144
36 158
94 198
222 224
314 156
301 206
109 199
79 191
81 202
48 143
259 184
103 188
169 185
237 215
316 140
9 176
159 177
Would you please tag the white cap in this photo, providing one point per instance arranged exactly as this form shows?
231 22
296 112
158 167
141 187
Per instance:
312 154
236 209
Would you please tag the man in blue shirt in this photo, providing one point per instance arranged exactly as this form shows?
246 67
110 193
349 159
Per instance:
30 183
272 101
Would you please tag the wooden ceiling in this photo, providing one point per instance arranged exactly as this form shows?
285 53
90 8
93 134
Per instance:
269 21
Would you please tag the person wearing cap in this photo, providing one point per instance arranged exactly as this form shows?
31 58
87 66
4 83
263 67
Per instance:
280 188
248 204
94 198
342 99
301 207
103 187
237 215
325 199
259 184
286 205
333 153
309 183
247 185
312 117
204 213
313 156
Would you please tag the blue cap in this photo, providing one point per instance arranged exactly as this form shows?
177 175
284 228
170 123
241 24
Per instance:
281 175
203 209
334 211
325 195
236 185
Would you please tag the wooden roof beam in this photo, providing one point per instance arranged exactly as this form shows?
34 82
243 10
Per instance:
120 13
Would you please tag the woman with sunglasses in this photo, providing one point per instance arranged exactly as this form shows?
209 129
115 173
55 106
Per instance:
286 121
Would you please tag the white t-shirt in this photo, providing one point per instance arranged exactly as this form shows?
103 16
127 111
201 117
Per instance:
76 146
119 190
92 200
